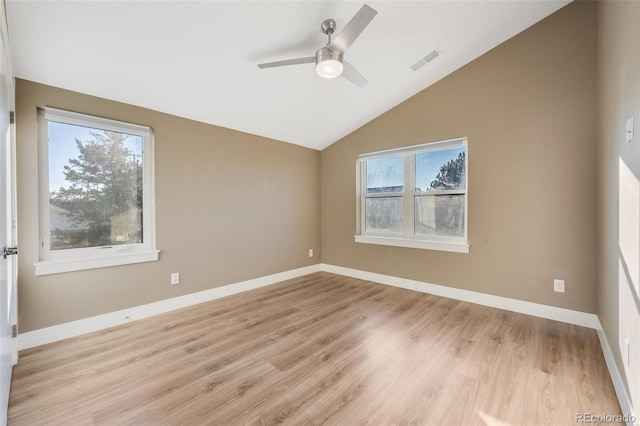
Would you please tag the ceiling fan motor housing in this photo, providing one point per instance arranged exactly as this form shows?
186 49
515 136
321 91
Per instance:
328 62
326 53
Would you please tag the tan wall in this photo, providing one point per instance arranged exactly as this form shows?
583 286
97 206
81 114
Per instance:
229 207
528 108
619 182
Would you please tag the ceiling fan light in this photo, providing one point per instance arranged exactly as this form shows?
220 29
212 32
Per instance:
328 63
329 68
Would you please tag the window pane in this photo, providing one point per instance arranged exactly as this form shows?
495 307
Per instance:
383 214
385 174
441 170
441 215
95 187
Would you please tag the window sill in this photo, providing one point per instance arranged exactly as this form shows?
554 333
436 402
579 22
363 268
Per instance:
47 267
419 244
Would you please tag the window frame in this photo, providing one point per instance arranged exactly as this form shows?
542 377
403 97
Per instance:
409 238
76 259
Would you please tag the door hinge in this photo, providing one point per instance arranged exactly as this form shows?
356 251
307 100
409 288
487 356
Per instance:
14 330
12 117
9 251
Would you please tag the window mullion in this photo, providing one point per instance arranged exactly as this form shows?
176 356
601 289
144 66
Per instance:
442 192
362 190
383 195
407 216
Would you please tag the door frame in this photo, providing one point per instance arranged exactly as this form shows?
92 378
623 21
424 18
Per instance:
8 192
12 200
12 173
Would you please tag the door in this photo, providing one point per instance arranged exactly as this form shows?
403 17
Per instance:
8 263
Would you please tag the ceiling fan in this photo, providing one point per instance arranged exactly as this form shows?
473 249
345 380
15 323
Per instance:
329 60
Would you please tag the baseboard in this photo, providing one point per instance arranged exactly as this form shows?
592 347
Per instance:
55 333
583 319
616 377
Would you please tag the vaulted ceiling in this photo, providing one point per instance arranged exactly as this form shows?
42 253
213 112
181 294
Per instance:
199 59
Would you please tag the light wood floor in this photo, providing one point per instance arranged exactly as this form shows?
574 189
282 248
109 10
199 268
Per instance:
319 349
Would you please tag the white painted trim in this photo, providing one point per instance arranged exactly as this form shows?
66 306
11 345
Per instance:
413 243
423 147
58 332
616 377
86 120
56 266
583 319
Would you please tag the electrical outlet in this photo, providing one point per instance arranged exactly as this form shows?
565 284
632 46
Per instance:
558 286
175 278
310 252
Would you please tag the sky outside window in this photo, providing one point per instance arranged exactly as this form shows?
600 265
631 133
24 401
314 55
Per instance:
387 172
428 165
62 147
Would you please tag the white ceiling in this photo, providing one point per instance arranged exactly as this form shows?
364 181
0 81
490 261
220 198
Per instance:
198 59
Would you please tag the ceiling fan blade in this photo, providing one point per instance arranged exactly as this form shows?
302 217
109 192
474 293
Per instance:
297 61
350 73
352 30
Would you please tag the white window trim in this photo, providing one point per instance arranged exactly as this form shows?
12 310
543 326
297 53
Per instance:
53 262
408 238
413 243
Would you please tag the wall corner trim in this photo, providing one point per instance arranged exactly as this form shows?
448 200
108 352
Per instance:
583 319
616 377
58 332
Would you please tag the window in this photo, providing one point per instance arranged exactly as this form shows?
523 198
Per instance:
96 192
414 197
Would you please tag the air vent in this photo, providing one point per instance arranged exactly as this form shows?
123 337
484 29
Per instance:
418 65
424 61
